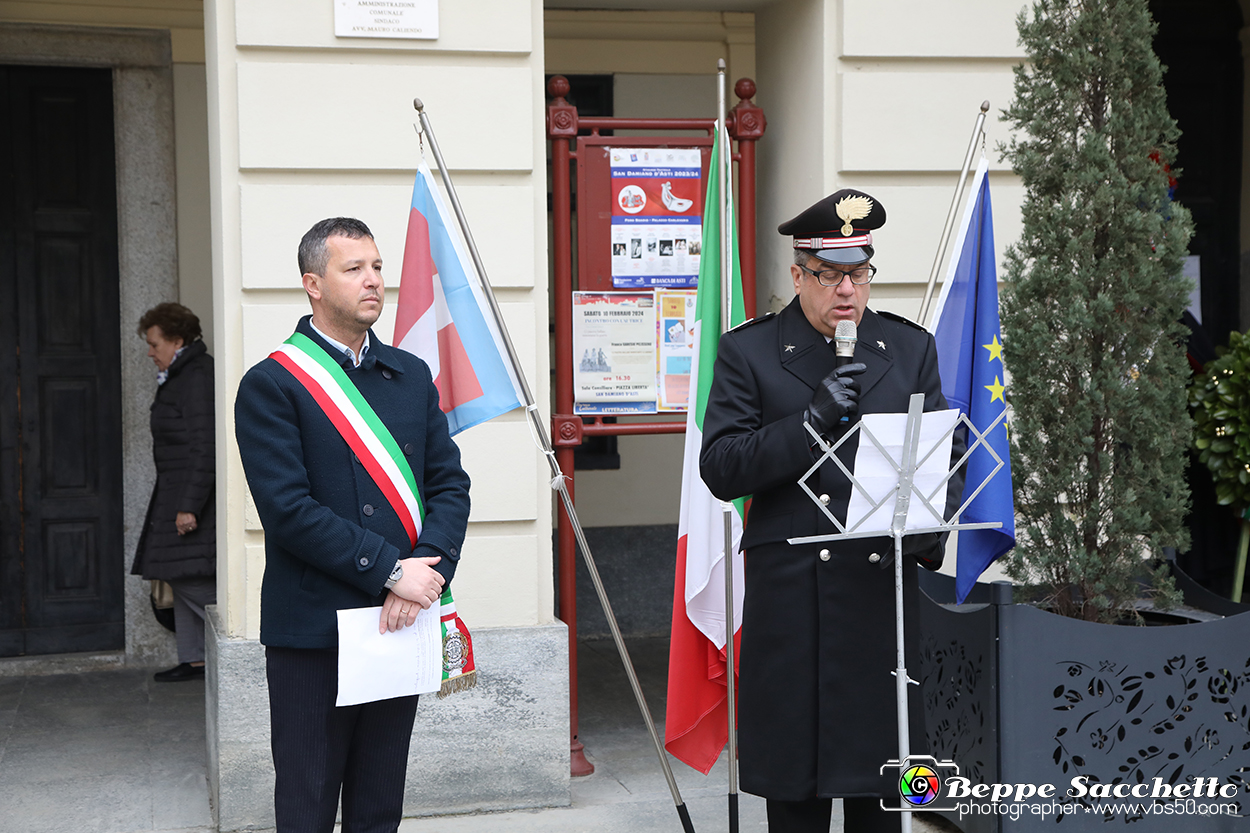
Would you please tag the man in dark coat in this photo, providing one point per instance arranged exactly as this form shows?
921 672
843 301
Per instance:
334 541
178 543
817 708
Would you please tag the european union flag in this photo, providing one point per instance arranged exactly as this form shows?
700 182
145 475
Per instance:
970 358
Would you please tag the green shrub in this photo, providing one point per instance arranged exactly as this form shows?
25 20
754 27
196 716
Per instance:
1221 404
1090 312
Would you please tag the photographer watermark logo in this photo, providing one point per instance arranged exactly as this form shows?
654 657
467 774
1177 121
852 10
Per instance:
919 785
925 783
921 780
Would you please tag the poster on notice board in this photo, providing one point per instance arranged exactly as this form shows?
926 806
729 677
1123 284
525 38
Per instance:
614 348
676 309
656 217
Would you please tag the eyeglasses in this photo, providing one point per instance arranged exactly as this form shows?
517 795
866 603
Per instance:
833 277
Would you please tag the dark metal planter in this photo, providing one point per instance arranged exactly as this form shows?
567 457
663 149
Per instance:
1016 695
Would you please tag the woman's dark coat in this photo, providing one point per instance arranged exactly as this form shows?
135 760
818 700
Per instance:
183 447
817 714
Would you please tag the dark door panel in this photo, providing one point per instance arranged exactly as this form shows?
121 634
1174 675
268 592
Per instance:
61 553
12 639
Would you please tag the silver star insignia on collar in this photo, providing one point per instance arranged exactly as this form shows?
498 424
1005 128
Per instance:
881 344
789 348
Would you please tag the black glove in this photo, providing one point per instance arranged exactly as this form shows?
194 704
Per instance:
836 396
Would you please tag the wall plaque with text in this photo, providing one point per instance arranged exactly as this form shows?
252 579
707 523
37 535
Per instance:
386 19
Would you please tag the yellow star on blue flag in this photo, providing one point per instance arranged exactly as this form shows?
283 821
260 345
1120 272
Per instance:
995 348
996 391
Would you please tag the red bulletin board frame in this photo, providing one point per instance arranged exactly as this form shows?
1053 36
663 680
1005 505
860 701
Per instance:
746 124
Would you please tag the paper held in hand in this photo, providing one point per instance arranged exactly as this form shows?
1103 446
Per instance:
379 666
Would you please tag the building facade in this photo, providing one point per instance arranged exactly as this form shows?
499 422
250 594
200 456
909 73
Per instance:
237 124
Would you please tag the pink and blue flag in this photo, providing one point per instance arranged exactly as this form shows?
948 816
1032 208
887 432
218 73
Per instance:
444 318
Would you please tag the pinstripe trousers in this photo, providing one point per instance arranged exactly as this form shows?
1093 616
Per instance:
320 749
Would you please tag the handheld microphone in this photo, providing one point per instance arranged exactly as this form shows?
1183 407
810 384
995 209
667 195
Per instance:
844 338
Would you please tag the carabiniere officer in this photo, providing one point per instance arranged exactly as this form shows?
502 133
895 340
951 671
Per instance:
818 703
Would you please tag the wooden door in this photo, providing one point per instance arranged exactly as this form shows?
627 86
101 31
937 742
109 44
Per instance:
61 559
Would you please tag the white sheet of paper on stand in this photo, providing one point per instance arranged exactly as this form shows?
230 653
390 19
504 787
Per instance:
379 666
876 474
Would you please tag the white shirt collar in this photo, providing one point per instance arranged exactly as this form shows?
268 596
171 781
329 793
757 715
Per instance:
343 348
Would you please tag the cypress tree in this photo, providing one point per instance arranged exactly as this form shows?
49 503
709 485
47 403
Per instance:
1091 309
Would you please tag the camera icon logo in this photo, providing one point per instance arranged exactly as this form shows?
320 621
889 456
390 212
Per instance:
920 781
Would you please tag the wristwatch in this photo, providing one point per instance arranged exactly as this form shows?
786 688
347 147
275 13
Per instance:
394 577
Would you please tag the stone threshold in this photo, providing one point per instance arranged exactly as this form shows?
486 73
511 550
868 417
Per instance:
45 665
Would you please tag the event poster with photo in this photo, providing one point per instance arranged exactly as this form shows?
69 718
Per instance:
614 352
676 347
656 217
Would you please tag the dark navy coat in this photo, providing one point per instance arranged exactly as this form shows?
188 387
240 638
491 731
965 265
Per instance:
817 714
331 537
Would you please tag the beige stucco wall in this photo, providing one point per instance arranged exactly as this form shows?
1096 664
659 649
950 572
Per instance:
195 268
890 113
796 53
648 42
304 125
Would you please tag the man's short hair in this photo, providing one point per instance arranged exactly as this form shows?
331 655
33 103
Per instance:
313 254
175 321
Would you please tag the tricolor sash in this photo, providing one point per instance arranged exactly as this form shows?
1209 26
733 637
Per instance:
372 442
358 424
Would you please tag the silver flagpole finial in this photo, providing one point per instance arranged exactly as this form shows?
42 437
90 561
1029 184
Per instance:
419 105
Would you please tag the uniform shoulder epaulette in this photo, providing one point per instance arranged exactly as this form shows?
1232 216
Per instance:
893 316
751 322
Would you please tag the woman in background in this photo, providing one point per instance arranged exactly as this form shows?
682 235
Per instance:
178 541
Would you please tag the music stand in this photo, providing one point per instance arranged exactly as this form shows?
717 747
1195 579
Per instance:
902 493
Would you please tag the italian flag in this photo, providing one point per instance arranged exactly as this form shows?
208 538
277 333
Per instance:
696 724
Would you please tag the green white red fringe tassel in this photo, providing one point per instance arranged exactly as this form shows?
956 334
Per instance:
459 669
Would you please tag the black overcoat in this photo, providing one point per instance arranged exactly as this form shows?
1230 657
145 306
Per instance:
817 714
184 450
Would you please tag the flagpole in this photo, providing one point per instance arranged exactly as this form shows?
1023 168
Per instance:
558 478
949 226
726 305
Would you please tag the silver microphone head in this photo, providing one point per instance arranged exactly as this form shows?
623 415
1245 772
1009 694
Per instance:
844 338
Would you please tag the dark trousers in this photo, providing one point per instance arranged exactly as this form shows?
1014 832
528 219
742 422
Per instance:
320 749
860 815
